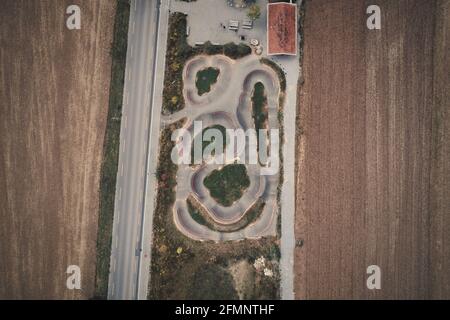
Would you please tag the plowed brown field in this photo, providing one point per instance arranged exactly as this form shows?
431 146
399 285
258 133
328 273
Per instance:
54 89
373 159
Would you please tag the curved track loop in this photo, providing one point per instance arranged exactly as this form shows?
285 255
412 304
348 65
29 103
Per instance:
227 104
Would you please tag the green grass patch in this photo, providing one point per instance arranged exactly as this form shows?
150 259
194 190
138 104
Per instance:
197 215
205 79
111 150
259 104
278 70
201 216
254 212
282 80
227 184
259 108
206 143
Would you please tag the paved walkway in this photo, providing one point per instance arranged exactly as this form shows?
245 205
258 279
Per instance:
291 67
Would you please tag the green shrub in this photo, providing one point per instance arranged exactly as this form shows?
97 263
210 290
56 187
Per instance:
227 184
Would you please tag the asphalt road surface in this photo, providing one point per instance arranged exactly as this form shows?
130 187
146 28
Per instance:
134 135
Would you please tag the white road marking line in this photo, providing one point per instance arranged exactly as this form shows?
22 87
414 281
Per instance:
131 54
120 193
129 71
121 170
125 121
112 289
134 24
135 4
117 242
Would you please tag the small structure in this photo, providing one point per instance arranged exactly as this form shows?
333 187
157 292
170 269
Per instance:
282 28
233 25
247 24
260 263
268 272
254 42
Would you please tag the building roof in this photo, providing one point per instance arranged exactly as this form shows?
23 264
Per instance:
282 28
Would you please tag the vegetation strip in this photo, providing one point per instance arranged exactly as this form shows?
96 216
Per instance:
111 149
206 143
201 216
259 108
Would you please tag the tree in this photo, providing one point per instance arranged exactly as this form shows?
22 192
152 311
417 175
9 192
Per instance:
254 12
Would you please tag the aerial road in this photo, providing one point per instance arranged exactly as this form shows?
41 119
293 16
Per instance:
127 243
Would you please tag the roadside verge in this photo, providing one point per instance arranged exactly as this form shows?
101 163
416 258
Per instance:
111 149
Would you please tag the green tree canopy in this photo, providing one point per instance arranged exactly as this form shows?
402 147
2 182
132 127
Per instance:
254 12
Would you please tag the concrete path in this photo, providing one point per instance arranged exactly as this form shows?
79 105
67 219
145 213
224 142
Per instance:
291 67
